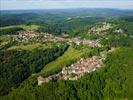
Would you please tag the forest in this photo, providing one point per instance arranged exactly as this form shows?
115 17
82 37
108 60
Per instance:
19 65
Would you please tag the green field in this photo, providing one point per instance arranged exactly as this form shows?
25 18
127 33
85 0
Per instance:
29 47
69 57
5 38
32 46
25 27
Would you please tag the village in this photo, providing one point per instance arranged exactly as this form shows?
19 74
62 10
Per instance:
30 35
77 70
24 36
98 29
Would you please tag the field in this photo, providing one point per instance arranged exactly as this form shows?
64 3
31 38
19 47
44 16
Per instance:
29 47
66 59
25 27
69 57
33 46
5 38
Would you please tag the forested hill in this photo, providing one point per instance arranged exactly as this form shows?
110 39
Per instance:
75 12
45 16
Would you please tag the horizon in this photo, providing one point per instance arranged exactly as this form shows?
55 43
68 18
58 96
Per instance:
65 4
65 9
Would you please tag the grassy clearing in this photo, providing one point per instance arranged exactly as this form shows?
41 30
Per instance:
5 38
25 27
69 57
29 27
30 47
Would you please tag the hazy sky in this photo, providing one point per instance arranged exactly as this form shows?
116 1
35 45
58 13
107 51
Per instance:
52 4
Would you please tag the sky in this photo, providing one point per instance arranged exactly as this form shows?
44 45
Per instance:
64 4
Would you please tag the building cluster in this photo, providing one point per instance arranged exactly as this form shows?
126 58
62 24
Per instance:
98 29
75 71
31 35
119 30
81 67
75 40
24 35
78 41
92 43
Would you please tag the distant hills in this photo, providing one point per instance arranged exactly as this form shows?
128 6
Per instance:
75 12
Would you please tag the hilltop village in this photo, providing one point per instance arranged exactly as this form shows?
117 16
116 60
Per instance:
100 29
77 70
23 36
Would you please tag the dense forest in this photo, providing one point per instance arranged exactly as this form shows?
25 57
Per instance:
20 64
